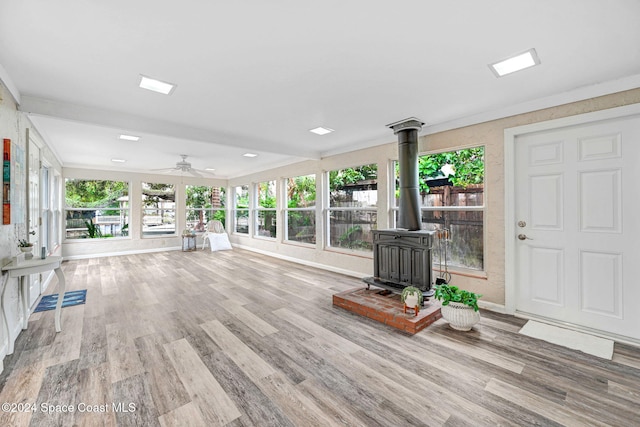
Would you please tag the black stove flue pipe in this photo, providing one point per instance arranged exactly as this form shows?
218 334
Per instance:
409 217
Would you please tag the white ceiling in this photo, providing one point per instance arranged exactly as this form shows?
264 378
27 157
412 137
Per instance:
256 76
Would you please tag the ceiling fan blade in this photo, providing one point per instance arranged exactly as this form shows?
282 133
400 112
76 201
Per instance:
163 170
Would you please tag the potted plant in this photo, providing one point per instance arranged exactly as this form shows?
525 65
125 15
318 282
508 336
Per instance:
411 297
25 247
459 307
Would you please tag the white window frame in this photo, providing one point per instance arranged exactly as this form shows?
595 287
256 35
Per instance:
258 208
127 210
286 209
329 209
162 209
211 211
394 209
235 210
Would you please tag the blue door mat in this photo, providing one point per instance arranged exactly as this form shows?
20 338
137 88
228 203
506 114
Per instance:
48 302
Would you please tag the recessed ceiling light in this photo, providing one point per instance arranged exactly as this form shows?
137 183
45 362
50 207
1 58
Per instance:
321 131
209 169
118 160
129 137
250 155
156 85
515 63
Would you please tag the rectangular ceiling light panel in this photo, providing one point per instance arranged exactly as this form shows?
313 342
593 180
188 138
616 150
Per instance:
321 130
159 86
129 137
515 63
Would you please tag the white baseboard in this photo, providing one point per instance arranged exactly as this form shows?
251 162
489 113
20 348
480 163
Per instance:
491 306
304 262
120 253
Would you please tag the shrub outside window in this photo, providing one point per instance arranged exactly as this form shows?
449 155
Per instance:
204 204
241 209
265 212
96 208
158 209
352 213
300 214
452 198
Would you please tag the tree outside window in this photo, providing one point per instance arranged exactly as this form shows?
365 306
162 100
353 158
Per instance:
300 213
158 209
352 213
204 204
265 212
452 198
241 209
96 208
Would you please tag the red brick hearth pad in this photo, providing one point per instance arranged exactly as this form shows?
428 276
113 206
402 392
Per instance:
387 309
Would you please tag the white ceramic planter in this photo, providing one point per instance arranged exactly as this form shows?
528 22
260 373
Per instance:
411 300
460 316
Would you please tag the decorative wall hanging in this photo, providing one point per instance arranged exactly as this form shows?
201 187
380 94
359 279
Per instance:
6 181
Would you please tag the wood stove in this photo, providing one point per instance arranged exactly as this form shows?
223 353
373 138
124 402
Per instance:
402 256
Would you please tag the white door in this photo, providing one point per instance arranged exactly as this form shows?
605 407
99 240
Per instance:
576 205
34 216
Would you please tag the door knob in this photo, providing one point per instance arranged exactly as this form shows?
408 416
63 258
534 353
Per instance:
524 237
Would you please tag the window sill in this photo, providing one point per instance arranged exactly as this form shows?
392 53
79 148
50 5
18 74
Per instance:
359 254
475 274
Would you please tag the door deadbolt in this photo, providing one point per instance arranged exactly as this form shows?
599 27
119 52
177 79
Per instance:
522 224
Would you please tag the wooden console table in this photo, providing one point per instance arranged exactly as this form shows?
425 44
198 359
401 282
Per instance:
25 268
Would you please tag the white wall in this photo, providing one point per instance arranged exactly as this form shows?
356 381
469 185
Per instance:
356 263
135 242
13 125
490 282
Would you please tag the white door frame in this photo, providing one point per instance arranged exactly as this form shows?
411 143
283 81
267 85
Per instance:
510 226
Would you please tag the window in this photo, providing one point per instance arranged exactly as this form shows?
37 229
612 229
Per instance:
352 214
96 208
203 205
158 209
241 209
55 207
265 212
50 207
452 198
45 208
300 213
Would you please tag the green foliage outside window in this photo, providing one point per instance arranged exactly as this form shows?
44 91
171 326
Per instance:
301 191
467 165
94 193
339 178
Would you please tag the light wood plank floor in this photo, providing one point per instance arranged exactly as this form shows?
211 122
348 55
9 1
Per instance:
240 339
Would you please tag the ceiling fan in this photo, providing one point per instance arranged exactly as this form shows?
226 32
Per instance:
183 166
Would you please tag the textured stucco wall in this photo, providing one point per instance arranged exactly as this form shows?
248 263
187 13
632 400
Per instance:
491 135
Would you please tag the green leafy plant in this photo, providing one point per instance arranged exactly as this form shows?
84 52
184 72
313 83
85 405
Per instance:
447 293
22 243
411 290
93 230
350 239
